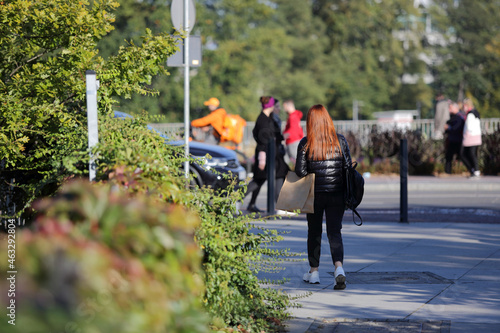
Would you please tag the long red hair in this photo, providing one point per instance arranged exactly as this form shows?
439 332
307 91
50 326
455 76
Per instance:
322 142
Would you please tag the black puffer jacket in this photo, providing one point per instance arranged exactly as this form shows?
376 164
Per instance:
329 173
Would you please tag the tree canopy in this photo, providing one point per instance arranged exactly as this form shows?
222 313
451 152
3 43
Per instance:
325 51
471 56
47 46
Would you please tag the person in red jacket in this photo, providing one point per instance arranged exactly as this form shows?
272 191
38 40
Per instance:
293 132
214 119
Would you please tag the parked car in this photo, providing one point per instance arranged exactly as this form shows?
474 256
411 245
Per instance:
219 162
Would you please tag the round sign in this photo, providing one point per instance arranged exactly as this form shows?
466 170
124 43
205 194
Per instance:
177 12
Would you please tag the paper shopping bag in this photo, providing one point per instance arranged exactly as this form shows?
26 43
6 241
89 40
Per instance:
297 193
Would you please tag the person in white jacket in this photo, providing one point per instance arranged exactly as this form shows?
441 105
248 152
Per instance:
471 138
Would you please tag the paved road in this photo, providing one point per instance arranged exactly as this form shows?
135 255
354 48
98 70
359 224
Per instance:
430 199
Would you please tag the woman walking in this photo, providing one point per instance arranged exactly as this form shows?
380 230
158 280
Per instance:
320 153
266 129
471 139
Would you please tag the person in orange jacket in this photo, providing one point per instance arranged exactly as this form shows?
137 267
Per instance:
214 119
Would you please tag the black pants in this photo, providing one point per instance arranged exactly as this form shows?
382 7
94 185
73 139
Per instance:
332 205
255 185
469 157
452 149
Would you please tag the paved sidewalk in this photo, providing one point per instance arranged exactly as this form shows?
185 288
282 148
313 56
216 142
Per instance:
417 277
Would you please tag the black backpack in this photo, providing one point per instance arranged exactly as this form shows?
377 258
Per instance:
354 187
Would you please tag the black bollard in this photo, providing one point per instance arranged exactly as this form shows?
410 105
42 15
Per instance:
403 173
271 176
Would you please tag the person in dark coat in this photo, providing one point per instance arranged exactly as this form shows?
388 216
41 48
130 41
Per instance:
320 152
454 129
266 129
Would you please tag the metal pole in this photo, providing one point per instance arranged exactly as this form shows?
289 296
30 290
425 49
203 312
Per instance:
92 120
403 171
271 176
186 89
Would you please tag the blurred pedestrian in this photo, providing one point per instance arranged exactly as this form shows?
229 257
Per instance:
471 138
441 116
454 129
320 153
276 116
293 132
214 120
265 130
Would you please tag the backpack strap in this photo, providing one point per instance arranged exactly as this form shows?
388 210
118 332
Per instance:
354 211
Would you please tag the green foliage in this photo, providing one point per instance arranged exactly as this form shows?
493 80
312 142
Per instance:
144 184
233 254
233 257
471 57
129 142
46 47
328 52
367 59
100 259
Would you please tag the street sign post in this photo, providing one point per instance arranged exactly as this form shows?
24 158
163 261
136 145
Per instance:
183 18
92 86
177 13
177 59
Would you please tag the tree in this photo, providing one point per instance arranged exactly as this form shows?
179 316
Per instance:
306 76
321 51
246 54
46 47
470 57
367 56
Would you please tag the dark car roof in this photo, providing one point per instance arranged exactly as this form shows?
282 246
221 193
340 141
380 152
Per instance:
195 148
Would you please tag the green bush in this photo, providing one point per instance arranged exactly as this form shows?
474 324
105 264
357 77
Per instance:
136 161
233 257
43 144
47 46
234 296
124 234
99 259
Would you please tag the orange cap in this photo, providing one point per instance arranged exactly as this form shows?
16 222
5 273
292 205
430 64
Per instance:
212 101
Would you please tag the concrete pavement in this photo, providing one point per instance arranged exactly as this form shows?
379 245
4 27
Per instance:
430 276
422 277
